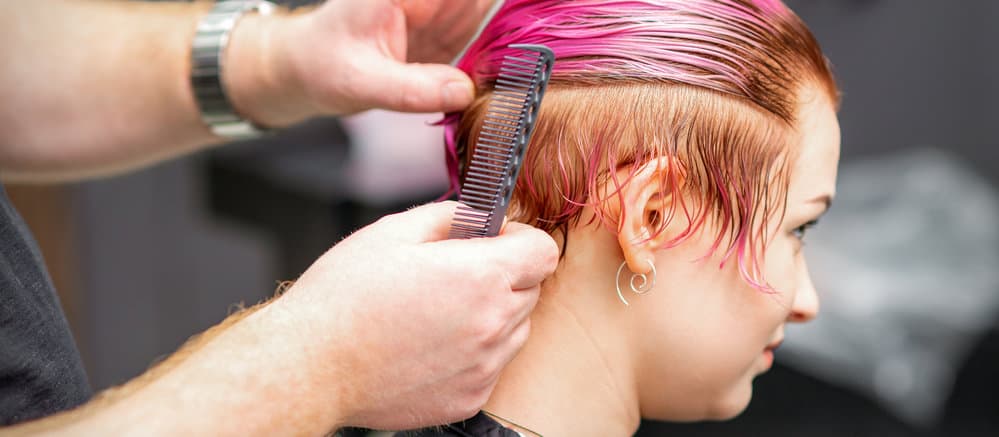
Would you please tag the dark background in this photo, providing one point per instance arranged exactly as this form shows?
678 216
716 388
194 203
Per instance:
146 260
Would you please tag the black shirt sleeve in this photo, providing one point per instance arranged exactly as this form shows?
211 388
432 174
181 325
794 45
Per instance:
479 426
40 368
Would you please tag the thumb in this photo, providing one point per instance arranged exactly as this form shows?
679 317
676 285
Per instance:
525 254
419 87
425 223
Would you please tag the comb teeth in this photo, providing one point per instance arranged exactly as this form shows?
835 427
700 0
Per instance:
502 142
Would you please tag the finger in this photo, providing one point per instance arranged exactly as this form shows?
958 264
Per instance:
522 304
482 390
516 341
524 301
504 352
526 254
424 223
520 335
418 87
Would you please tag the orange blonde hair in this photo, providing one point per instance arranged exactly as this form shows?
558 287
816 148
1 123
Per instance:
713 84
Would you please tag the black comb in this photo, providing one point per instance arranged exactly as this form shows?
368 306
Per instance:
502 142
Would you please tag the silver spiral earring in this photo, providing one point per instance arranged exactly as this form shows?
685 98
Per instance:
639 282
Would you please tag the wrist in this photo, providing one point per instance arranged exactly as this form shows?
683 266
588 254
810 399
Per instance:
260 75
309 379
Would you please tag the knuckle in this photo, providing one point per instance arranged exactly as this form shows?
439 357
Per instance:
535 294
412 96
484 374
486 278
508 313
519 338
548 252
552 259
489 331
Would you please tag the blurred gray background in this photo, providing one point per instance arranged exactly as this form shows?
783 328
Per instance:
144 261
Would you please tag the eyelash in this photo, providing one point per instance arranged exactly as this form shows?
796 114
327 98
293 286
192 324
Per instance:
800 231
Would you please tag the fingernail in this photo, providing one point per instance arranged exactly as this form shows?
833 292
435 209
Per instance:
457 94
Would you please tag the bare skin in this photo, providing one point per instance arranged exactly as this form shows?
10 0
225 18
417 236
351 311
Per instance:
689 349
102 86
99 87
373 351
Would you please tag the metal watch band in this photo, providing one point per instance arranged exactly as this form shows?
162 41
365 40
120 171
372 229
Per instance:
207 51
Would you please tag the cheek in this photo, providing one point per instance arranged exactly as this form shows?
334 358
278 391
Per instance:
706 332
783 262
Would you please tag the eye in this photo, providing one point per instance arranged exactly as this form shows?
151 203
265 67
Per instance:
799 232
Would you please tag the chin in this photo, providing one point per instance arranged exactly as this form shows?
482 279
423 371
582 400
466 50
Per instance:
727 406
731 405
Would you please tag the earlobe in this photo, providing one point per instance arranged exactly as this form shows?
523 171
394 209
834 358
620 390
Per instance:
645 197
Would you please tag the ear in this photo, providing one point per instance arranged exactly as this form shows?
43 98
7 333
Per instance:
645 196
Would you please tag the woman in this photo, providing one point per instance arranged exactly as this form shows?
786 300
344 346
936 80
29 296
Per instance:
683 150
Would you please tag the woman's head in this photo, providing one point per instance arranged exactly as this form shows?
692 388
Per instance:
692 135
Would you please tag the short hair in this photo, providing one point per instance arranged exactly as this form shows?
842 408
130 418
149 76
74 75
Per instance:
714 84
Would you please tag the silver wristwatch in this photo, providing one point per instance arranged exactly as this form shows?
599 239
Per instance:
206 67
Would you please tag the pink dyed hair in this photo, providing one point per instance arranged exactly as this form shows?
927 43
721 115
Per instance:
713 83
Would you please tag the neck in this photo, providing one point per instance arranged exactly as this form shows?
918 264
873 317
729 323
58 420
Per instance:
574 376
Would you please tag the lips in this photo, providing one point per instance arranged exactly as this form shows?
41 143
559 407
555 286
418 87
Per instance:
768 353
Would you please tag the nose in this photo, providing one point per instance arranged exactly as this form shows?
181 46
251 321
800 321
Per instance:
806 301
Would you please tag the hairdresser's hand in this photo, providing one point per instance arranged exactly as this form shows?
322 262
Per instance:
410 329
351 55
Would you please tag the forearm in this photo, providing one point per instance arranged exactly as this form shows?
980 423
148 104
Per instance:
92 87
217 384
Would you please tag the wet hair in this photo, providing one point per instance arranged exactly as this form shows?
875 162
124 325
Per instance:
713 84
